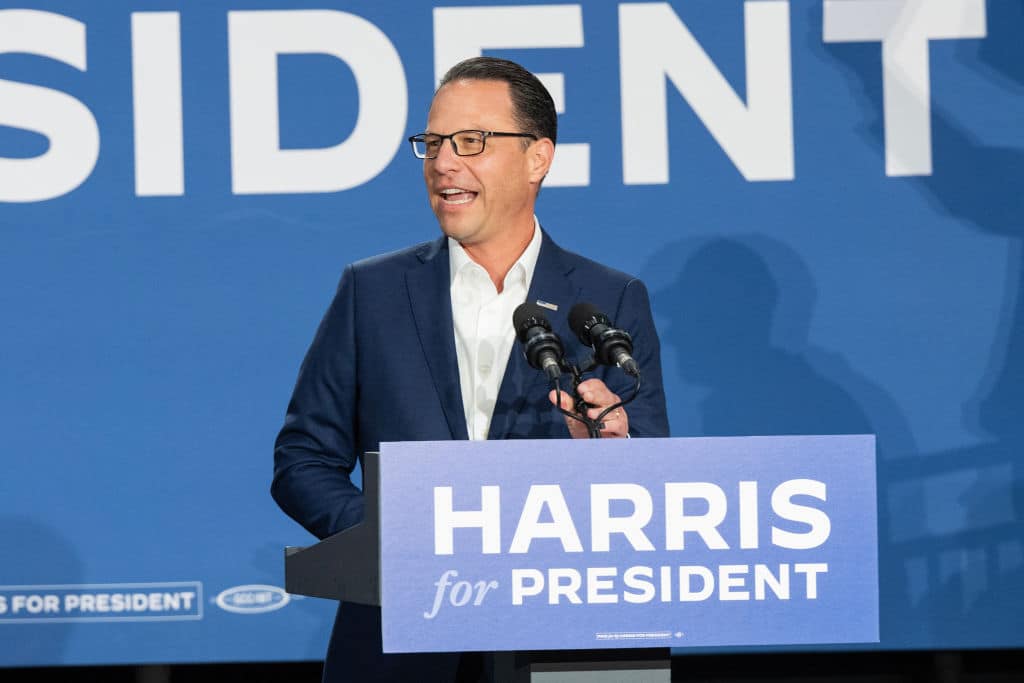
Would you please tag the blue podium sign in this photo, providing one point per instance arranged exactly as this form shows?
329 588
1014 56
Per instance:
532 545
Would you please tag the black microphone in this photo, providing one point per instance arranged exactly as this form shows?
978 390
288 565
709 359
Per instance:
542 347
611 345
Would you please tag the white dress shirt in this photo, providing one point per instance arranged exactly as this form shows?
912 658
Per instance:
483 327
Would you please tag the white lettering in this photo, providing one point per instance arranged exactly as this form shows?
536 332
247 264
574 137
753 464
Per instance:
677 522
640 579
67 123
156 98
526 583
696 583
730 578
707 583
904 28
811 570
482 589
601 579
666 584
763 577
487 519
442 583
756 136
561 525
258 164
603 525
564 583
462 591
748 515
783 505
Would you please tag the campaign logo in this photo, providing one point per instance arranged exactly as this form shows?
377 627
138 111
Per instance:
252 599
700 542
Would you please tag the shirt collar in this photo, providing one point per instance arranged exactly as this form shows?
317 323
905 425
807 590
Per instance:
523 268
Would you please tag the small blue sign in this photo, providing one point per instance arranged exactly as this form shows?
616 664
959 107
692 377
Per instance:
534 545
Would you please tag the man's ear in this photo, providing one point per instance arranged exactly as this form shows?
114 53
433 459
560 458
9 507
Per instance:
541 152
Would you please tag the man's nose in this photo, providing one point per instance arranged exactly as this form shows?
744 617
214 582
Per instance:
446 158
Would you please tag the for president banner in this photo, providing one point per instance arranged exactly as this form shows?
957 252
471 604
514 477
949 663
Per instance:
527 545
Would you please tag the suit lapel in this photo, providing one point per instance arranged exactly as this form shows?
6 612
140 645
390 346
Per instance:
550 284
429 288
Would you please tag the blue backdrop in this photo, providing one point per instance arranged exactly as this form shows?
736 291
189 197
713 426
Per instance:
823 197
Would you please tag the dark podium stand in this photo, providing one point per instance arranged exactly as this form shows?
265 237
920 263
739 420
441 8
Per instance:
346 566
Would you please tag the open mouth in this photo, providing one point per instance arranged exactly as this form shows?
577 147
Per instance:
456 195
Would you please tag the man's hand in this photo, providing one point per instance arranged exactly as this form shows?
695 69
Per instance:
597 394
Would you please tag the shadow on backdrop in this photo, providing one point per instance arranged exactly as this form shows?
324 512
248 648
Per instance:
738 314
963 551
35 555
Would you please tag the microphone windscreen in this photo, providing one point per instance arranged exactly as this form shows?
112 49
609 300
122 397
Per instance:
528 315
581 317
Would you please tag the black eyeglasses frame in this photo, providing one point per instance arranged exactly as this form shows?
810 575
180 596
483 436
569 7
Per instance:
484 134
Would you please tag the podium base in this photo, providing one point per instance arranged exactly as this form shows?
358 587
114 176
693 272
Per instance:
652 665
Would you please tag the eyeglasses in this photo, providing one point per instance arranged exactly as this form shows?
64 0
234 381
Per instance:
465 143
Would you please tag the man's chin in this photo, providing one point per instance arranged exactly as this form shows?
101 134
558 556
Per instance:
459 233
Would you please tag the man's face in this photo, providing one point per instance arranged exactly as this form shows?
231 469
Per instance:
490 195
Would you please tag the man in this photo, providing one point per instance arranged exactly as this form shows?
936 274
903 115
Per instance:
418 344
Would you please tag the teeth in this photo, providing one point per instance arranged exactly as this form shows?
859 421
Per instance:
449 194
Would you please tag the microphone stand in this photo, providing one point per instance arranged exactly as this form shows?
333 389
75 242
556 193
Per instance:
594 427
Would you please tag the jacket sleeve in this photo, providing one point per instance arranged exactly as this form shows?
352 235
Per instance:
315 452
648 416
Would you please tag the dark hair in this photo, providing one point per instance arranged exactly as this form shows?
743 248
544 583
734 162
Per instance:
532 106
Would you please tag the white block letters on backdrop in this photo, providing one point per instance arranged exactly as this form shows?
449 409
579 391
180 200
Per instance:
755 129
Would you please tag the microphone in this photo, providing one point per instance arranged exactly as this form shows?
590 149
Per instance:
611 345
542 347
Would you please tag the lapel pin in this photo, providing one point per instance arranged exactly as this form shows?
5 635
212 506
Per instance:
545 304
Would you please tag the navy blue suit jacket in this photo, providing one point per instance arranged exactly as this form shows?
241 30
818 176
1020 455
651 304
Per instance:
383 367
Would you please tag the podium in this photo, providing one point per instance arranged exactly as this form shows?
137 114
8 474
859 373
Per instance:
346 567
589 560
